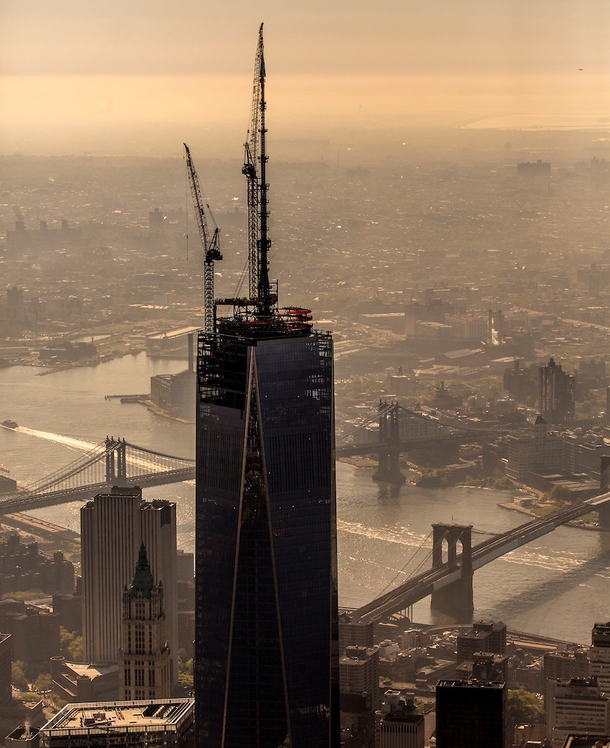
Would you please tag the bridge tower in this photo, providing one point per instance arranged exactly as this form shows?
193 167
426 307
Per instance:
116 461
456 598
388 469
603 511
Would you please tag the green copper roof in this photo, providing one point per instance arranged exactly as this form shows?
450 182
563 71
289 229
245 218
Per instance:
143 582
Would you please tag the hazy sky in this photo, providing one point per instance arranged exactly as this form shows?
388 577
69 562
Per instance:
71 62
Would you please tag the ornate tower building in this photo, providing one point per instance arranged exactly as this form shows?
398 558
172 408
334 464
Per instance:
144 667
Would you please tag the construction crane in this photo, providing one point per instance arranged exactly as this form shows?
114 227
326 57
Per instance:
210 244
258 313
255 171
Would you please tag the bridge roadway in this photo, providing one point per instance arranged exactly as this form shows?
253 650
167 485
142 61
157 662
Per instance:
23 501
364 449
424 584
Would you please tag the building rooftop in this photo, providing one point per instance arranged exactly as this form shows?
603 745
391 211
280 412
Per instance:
469 684
586 741
601 629
156 715
91 671
475 634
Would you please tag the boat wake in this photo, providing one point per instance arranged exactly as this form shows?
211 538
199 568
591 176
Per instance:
67 441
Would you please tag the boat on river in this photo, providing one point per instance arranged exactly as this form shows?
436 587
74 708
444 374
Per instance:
10 424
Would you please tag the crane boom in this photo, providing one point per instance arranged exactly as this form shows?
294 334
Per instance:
210 244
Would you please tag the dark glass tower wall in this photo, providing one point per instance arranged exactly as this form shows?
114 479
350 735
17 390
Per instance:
266 649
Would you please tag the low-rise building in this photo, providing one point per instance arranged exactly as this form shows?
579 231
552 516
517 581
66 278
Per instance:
76 681
161 722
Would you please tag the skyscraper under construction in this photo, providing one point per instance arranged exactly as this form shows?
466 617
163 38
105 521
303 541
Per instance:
266 644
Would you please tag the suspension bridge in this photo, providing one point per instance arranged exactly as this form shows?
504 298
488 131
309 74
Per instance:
118 462
403 429
449 581
114 462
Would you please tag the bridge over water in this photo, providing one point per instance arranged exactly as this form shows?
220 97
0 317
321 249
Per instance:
444 434
450 582
114 462
118 462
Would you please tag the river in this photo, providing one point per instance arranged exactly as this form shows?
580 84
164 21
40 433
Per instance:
558 585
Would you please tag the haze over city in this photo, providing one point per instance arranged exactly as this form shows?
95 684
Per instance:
117 78
346 385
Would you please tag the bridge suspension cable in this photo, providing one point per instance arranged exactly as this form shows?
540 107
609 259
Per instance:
427 557
113 462
75 467
422 416
366 423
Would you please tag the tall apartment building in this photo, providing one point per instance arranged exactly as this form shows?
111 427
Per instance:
402 727
484 636
354 632
359 671
538 451
537 168
577 706
599 655
470 714
144 662
6 652
113 527
556 393
565 664
467 327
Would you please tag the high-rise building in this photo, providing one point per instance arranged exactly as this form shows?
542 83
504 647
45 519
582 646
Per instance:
113 527
539 451
359 671
144 661
402 727
556 393
484 636
354 631
470 714
567 664
577 706
599 655
266 640
6 653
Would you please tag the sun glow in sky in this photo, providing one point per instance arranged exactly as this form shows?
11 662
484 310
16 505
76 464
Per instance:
70 67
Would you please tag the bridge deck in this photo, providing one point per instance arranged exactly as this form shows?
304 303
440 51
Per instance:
422 585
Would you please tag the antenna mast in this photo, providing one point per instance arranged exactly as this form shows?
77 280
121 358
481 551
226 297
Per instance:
255 171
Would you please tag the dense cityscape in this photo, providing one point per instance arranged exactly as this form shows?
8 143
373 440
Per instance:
279 546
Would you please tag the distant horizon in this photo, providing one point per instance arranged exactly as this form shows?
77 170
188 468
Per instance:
70 114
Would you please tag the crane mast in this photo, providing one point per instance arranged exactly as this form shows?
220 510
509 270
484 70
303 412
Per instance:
255 171
258 314
210 244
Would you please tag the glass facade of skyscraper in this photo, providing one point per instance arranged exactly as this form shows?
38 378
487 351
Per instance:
266 649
